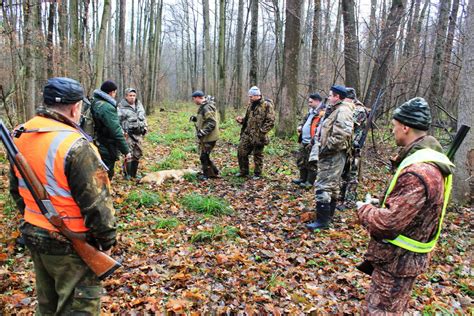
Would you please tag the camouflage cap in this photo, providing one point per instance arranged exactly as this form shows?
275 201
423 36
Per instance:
351 93
414 113
63 91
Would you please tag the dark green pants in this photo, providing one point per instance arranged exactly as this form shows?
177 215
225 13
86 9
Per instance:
65 285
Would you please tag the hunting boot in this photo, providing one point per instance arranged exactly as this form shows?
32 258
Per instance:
303 177
332 207
134 168
127 170
310 180
323 217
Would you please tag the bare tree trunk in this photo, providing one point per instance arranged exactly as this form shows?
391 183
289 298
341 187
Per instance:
449 47
463 184
313 73
239 55
287 108
385 51
438 58
29 60
207 46
253 73
49 40
100 45
121 42
63 43
221 60
75 65
351 45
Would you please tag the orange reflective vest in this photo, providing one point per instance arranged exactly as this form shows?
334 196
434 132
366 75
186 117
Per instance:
52 141
315 123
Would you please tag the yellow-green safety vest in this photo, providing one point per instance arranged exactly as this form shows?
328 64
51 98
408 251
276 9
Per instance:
423 155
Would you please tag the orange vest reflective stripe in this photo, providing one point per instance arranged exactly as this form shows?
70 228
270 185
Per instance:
315 123
47 159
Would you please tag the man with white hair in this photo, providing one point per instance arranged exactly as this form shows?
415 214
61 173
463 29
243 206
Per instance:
259 119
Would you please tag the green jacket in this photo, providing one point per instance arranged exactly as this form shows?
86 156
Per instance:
109 134
90 188
208 122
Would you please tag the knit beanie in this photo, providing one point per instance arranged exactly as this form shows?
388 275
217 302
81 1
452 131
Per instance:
414 113
254 91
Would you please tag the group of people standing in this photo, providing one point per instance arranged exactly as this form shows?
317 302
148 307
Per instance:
75 174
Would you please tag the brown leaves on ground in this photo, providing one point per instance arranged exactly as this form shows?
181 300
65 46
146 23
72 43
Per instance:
260 260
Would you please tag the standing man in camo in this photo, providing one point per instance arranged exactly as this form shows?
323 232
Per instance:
350 175
259 119
404 230
133 121
335 142
207 132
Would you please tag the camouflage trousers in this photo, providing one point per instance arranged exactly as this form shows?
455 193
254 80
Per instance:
207 165
350 178
388 295
328 181
243 152
302 159
134 142
65 285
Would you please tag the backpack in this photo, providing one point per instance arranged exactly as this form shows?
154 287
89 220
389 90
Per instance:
87 120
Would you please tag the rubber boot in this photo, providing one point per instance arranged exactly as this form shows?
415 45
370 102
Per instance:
332 207
134 168
310 180
127 170
323 217
303 177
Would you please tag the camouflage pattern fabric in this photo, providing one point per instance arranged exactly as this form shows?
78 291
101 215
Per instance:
328 180
133 122
208 122
302 158
258 121
208 167
65 285
412 209
135 142
388 295
90 188
246 147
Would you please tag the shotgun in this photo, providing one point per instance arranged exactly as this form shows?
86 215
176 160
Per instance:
99 262
366 266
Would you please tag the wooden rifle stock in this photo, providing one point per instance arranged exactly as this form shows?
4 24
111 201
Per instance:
366 266
99 262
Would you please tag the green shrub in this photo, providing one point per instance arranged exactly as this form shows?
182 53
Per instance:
208 205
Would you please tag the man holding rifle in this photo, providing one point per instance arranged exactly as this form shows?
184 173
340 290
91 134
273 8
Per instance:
74 177
404 230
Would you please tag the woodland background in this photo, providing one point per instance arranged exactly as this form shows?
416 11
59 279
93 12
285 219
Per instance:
249 252
168 48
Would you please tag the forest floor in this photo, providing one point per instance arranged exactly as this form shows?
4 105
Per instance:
247 251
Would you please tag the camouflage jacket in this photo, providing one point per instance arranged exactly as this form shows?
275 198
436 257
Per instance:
90 188
336 130
132 119
360 122
109 133
258 121
208 122
412 209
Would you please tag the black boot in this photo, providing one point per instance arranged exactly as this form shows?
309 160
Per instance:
127 170
134 168
310 180
303 177
323 217
332 207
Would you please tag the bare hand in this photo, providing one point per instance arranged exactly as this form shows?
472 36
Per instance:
239 119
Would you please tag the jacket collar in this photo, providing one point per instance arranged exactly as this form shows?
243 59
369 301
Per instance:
104 96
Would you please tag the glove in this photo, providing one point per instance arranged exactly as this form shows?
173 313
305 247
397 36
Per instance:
368 200
193 118
200 134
